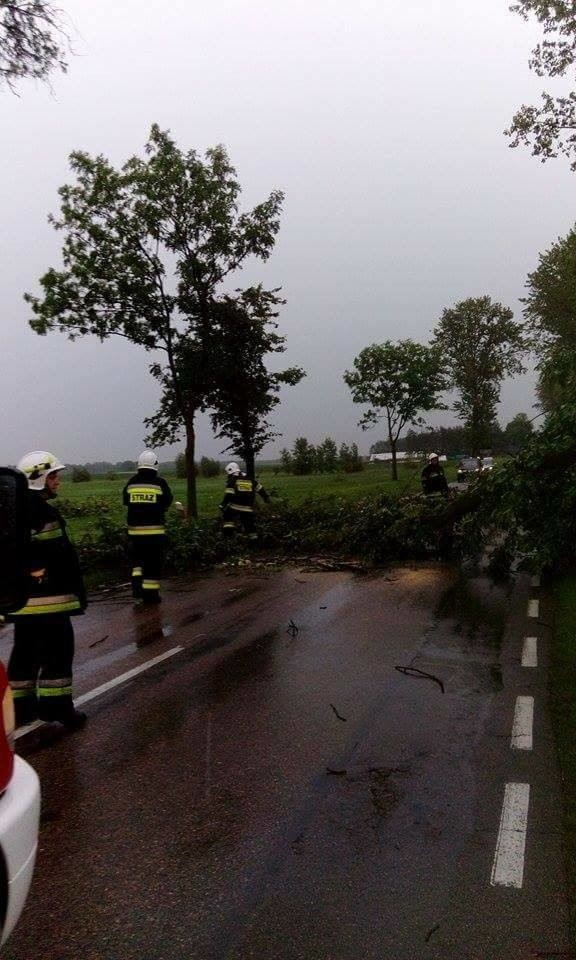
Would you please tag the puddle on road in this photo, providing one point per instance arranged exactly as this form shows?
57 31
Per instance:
466 632
236 594
478 607
247 664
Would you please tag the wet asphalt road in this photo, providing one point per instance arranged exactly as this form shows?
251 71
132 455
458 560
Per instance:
279 792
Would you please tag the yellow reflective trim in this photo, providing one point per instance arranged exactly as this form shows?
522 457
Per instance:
18 694
150 585
137 571
144 488
244 486
54 691
240 507
229 490
38 605
145 531
48 534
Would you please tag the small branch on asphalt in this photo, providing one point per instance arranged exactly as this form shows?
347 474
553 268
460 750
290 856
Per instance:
420 675
340 717
336 773
292 629
431 933
96 642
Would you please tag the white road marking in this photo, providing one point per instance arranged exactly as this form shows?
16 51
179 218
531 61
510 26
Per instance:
104 687
530 652
522 726
535 580
533 608
508 866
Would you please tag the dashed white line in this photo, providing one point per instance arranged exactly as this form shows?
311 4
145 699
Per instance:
522 726
508 866
533 608
104 687
530 652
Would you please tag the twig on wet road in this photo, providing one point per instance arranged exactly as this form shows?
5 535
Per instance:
420 675
96 642
340 717
292 629
431 932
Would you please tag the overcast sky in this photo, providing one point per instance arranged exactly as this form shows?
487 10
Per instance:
381 121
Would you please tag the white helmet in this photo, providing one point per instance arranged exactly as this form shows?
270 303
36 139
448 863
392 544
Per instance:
148 459
432 456
37 465
233 470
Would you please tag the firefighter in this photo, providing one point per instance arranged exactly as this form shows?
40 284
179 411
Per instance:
433 477
147 497
40 666
238 502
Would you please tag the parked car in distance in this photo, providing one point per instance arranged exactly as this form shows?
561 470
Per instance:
468 468
19 818
487 464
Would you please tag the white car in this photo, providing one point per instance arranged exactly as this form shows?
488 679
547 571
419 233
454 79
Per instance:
19 819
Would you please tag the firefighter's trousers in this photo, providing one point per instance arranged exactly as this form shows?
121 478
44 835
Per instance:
40 667
232 517
147 555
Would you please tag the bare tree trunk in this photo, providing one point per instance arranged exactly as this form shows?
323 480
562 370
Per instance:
250 461
191 499
393 442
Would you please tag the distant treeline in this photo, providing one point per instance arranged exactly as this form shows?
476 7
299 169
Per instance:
455 441
326 457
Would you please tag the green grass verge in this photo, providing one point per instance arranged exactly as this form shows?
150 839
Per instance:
563 707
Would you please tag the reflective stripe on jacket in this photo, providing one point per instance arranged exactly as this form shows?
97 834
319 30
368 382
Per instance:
240 494
55 584
147 497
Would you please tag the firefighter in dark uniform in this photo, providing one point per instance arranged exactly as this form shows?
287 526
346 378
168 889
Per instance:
40 666
238 503
147 497
433 477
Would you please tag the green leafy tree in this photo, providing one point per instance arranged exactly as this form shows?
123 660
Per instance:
350 459
517 433
209 468
146 249
32 40
550 309
286 461
244 391
80 475
181 466
549 128
398 381
327 453
303 457
480 344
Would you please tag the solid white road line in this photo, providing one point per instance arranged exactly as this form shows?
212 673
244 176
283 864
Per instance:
535 580
104 687
522 726
530 652
533 608
508 866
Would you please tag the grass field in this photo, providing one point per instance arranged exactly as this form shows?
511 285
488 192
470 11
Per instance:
376 478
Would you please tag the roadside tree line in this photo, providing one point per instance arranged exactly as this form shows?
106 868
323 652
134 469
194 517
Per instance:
475 345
